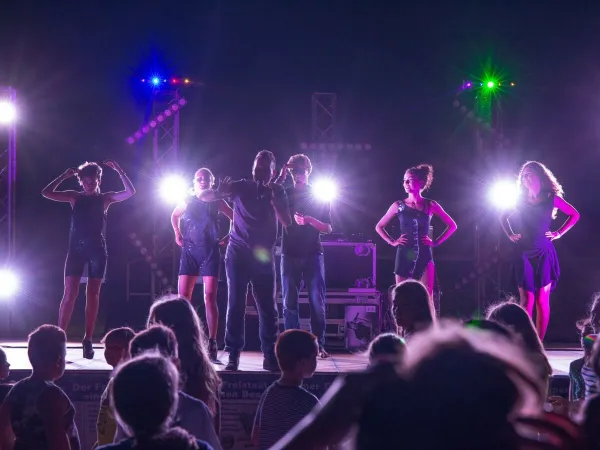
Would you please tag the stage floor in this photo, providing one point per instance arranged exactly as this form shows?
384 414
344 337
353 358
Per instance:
560 358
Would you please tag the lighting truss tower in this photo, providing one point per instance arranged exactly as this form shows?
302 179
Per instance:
165 151
323 116
164 127
8 178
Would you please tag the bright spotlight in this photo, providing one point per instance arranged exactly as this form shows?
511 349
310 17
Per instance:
8 112
325 190
504 194
155 81
9 283
173 189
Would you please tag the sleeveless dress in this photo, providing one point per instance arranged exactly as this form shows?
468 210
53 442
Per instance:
87 244
26 422
200 254
412 258
536 265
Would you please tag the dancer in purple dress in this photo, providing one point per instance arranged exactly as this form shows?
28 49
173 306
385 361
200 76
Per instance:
537 269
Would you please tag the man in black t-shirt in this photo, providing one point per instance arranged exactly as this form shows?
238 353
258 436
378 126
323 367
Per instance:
302 252
257 206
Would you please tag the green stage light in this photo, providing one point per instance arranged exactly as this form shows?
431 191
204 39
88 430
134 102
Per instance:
490 84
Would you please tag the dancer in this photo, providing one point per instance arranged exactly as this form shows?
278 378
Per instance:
257 206
195 226
302 252
537 269
414 259
87 244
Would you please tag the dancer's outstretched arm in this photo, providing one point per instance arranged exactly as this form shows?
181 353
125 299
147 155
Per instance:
51 193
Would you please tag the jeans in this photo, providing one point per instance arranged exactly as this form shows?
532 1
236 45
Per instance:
312 270
242 268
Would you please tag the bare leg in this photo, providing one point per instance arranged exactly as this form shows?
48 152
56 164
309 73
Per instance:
428 279
527 300
68 301
210 302
542 301
185 286
92 302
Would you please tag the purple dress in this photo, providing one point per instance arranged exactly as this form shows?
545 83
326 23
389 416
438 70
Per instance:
537 263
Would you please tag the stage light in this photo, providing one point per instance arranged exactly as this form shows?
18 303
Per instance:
504 194
490 84
174 189
9 283
186 81
155 81
8 112
324 190
512 84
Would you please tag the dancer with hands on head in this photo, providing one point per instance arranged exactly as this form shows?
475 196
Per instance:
536 268
414 258
87 243
195 223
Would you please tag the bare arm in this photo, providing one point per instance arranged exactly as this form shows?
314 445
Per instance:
51 407
51 193
569 210
7 437
322 227
226 210
175 216
113 197
384 221
451 226
212 195
505 223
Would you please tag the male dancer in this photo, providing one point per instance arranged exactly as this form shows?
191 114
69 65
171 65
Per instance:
87 244
302 252
257 206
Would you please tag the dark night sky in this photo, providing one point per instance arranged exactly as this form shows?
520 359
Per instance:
395 70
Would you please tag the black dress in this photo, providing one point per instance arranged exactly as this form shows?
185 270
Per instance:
412 258
536 265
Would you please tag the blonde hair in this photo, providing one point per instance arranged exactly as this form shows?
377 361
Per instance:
301 160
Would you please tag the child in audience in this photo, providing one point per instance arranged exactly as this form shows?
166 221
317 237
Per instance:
577 374
285 402
192 414
37 414
333 421
198 375
116 350
387 347
144 394
4 373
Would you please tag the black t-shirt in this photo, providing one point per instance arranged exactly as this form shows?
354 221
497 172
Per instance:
304 240
199 223
254 219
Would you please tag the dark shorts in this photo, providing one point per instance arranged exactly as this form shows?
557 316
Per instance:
94 256
200 261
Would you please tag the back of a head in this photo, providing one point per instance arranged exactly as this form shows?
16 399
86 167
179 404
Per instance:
199 377
46 345
293 346
386 346
469 384
173 439
516 318
490 325
156 337
121 336
411 304
144 394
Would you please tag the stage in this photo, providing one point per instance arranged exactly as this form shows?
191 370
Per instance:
85 380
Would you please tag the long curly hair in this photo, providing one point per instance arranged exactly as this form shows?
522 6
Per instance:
549 183
199 377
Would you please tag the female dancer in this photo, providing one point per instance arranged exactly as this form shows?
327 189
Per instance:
87 244
195 226
537 269
414 259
